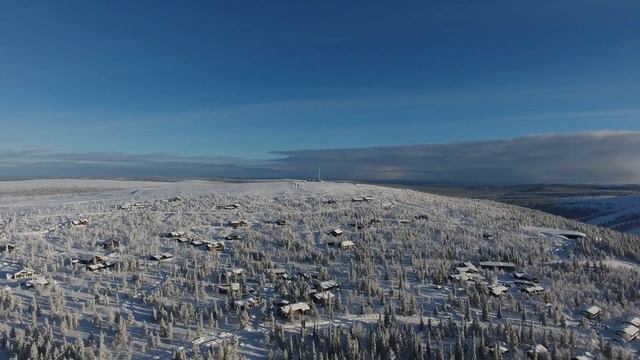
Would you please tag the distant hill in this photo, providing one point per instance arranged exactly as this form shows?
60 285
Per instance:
621 213
616 207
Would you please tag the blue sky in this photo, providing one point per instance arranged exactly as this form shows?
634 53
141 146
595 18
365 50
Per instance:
243 79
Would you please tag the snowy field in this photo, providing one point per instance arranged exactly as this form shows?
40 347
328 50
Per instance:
618 212
197 269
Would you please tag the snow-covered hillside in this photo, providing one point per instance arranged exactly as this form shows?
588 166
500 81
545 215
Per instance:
621 213
292 269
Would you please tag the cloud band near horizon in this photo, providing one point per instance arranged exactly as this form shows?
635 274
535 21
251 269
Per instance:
598 157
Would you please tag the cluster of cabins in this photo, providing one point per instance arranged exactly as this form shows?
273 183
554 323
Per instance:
79 221
467 271
500 350
319 291
527 283
95 262
236 224
627 331
99 262
342 244
180 237
537 351
233 287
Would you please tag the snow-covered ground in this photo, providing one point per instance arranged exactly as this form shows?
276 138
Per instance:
394 281
618 212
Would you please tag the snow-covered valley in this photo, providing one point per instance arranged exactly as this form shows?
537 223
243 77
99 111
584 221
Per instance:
621 213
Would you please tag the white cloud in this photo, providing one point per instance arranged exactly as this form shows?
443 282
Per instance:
588 157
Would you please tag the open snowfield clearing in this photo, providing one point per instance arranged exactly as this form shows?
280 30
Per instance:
46 193
286 269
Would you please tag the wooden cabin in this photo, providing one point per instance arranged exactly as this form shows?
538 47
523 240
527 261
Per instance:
217 246
592 312
238 223
498 265
335 232
161 257
346 245
498 290
80 221
299 308
233 287
532 290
